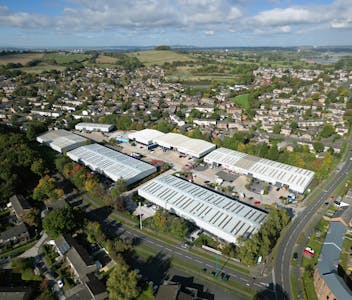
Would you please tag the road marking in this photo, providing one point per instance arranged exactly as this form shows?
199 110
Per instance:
188 257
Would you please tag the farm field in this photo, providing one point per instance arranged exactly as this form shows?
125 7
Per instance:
65 58
21 58
184 74
242 100
104 59
159 57
41 68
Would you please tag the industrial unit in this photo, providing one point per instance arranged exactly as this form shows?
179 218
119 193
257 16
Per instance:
183 144
111 163
94 127
145 136
221 216
297 179
61 140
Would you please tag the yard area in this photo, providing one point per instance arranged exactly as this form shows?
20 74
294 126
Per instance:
65 58
242 100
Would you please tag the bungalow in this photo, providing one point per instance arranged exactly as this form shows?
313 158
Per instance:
19 205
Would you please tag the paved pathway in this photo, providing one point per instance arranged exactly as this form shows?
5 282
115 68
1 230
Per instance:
34 251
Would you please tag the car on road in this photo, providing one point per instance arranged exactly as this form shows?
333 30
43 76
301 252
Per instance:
60 284
295 255
185 246
257 202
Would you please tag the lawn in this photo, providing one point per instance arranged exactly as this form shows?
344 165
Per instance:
155 57
66 58
21 58
242 100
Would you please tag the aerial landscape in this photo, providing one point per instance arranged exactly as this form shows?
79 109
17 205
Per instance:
175 150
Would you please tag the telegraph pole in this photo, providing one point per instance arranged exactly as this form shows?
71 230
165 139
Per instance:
140 217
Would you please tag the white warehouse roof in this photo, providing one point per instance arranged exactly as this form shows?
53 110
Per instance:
61 140
193 147
224 217
267 170
111 163
145 136
94 127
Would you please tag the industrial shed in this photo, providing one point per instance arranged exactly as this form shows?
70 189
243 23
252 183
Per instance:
145 136
221 216
94 127
192 147
61 140
297 179
111 163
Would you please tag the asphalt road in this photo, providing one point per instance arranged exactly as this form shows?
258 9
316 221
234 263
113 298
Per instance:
281 272
185 255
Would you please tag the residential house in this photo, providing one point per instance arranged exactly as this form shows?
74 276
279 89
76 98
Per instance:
19 205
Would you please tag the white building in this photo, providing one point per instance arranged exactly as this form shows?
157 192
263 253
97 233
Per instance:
61 140
111 163
221 216
145 136
183 144
297 179
94 127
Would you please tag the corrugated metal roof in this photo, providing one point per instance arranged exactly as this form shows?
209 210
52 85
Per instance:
111 163
215 213
297 179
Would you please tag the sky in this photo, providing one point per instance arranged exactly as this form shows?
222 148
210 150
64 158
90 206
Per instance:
203 23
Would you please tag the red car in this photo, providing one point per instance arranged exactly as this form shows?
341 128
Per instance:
257 202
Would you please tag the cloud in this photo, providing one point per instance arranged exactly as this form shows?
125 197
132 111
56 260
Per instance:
209 32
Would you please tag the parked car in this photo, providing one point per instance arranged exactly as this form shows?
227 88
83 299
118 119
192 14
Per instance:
60 284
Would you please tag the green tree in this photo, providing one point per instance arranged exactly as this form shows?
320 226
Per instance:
318 147
94 233
38 167
122 283
160 220
179 228
34 129
327 131
63 220
32 217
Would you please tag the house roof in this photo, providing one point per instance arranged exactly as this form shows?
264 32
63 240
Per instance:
76 254
19 204
15 293
328 261
14 232
169 291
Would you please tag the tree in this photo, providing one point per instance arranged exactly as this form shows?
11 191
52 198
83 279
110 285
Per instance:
63 220
32 217
318 147
94 233
34 129
179 228
160 220
46 189
327 131
38 167
122 283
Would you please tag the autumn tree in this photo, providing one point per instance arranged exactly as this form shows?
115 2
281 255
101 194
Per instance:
32 217
122 283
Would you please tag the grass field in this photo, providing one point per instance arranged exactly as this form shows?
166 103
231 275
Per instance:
155 57
41 68
65 58
104 59
242 100
21 58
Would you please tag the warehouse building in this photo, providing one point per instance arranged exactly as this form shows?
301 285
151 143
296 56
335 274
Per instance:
111 163
297 179
94 127
145 136
183 144
221 216
61 140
